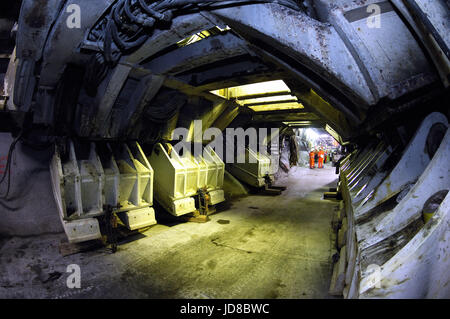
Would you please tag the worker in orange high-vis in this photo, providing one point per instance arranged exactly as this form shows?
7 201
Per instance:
321 158
312 154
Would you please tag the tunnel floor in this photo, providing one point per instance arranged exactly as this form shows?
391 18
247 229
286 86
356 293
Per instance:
258 247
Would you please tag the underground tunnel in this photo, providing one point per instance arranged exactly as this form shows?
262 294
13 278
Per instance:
178 149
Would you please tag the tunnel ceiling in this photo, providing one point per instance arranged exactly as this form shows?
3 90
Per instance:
129 57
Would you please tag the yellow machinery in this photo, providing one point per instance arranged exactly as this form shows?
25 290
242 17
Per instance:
178 179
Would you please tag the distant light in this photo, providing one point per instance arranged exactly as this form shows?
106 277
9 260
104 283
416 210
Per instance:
311 134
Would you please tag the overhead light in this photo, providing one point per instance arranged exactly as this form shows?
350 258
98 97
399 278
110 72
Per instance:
264 96
277 107
294 123
278 98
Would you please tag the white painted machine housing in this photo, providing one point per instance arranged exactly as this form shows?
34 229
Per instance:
178 178
83 187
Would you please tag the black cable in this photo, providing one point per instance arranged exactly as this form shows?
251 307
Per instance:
107 43
123 44
31 144
146 22
162 113
8 166
166 16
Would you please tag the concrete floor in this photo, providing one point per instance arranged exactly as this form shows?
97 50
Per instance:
259 247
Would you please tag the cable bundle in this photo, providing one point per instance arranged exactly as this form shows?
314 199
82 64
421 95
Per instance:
130 22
